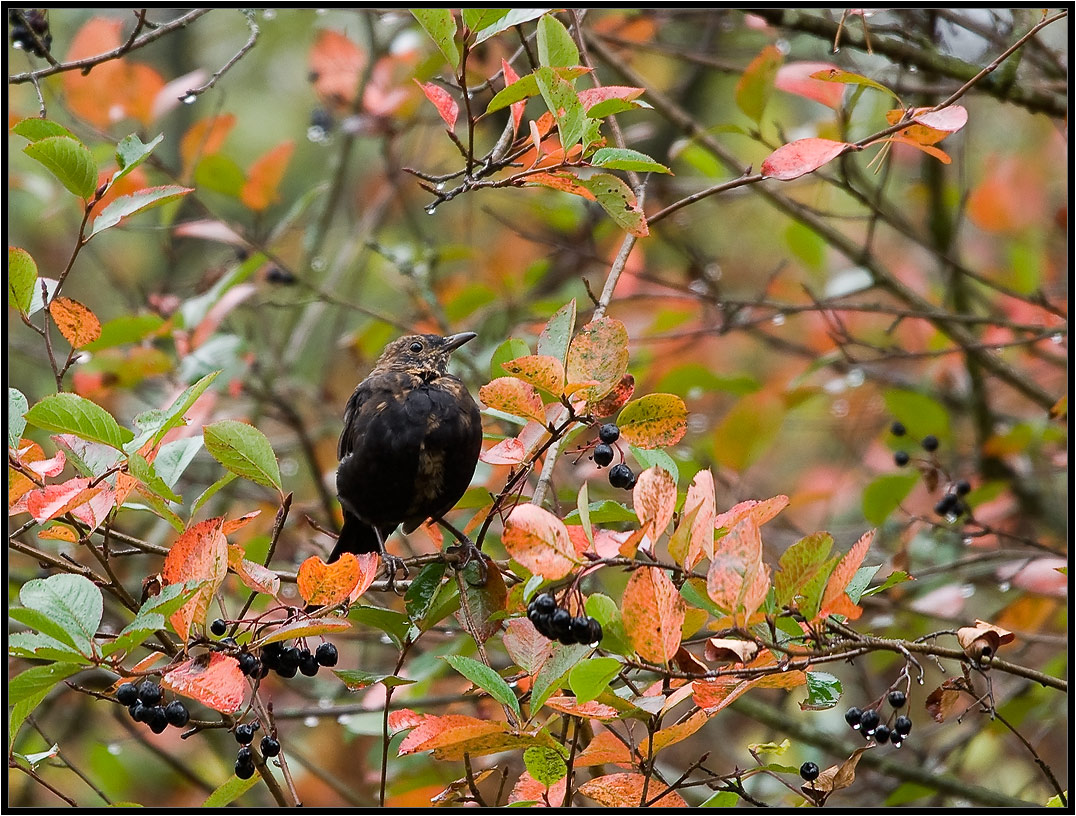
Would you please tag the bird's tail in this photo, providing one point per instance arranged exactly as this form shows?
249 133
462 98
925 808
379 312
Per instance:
356 537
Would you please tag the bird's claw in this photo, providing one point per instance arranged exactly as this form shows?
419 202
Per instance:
393 565
465 552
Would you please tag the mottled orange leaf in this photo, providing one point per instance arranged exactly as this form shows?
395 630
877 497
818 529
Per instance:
737 559
204 138
598 353
263 179
700 510
835 600
653 614
506 452
93 512
252 574
654 500
615 399
591 710
76 323
232 525
680 731
760 511
369 563
19 485
529 789
199 554
539 541
57 499
604 749
540 370
58 532
513 396
625 790
327 584
589 97
654 421
213 679
306 627
449 729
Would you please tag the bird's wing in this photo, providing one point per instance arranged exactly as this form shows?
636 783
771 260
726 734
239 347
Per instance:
361 394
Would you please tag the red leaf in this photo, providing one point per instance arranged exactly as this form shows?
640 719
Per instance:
48 467
802 156
625 790
213 679
450 729
335 63
795 77
443 101
527 648
590 97
539 541
653 614
511 76
55 500
199 554
529 789
369 563
505 452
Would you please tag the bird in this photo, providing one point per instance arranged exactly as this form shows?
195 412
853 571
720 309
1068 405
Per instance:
409 447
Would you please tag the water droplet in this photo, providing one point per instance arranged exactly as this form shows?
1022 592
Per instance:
1058 338
269 14
839 408
288 466
778 320
343 718
430 209
783 46
311 721
385 640
190 99
967 590
912 69
316 134
966 541
855 378
1004 586
325 702
115 748
319 264
698 287
440 186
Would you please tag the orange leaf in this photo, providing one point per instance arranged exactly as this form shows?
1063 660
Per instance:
506 452
327 584
369 563
58 532
625 790
511 76
305 627
565 182
263 179
439 732
680 731
654 499
605 748
737 561
591 710
589 97
19 485
513 397
702 501
56 499
539 541
529 789
615 399
335 63
213 679
599 352
93 512
231 525
981 641
653 614
204 138
252 574
76 323
199 554
540 370
48 467
835 601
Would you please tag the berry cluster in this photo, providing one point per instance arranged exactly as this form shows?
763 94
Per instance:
556 623
25 21
244 758
952 505
285 661
620 475
869 722
929 443
144 700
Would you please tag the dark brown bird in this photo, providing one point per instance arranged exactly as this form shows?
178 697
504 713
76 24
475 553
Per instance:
410 444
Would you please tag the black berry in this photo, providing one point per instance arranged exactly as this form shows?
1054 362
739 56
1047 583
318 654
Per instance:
278 275
545 603
594 634
308 664
157 719
218 627
897 698
244 771
902 725
581 629
809 771
270 747
138 711
244 733
947 506
930 443
621 476
127 693
561 622
287 671
149 693
326 654
248 664
609 433
603 454
853 716
177 714
901 458
245 755
962 488
898 429
869 721
881 734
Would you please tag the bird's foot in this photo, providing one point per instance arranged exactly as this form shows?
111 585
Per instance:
393 565
467 552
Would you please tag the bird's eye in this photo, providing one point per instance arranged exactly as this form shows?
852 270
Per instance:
416 347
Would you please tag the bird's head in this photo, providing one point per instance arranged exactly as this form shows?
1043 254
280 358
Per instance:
423 354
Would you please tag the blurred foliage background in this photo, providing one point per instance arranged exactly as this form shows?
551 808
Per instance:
723 303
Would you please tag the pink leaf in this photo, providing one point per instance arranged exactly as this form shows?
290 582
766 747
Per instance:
950 119
213 679
795 77
511 76
443 101
802 156
505 452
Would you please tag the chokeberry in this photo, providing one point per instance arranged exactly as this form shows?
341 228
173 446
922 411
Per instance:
177 714
288 671
326 654
581 629
853 716
127 693
248 663
594 634
149 693
245 755
244 770
897 698
609 433
308 664
289 658
157 720
809 771
545 603
278 275
881 734
902 725
962 488
138 711
898 429
947 506
244 733
621 476
561 622
901 458
270 747
930 443
218 627
869 721
603 454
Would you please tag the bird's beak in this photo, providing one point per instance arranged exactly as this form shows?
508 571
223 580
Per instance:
454 341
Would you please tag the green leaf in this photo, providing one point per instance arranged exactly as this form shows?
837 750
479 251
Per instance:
556 48
617 199
173 415
230 791
606 612
126 329
545 764
551 676
527 86
441 26
478 18
556 336
16 416
210 491
823 691
152 616
130 153
860 581
591 678
722 799
73 602
138 201
220 174
356 679
616 158
895 577
39 646
420 595
35 129
883 495
173 458
604 512
656 458
244 450
512 18
920 414
43 623
70 413
25 692
392 623
510 349
69 160
21 279
847 78
755 86
486 679
799 563
142 470
562 100
608 107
